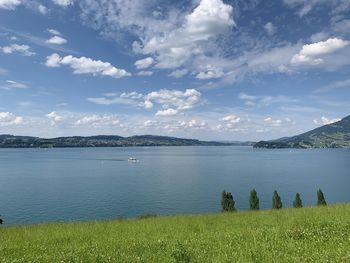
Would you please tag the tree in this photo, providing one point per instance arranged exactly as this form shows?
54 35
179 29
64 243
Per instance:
227 202
254 200
297 201
276 201
320 198
1 221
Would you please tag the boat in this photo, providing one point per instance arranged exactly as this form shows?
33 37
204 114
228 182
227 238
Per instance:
133 160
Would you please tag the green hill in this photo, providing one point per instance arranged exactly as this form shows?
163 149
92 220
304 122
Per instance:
335 135
10 141
320 234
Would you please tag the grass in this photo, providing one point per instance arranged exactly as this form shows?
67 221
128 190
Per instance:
320 234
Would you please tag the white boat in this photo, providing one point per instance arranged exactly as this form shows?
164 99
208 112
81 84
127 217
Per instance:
132 159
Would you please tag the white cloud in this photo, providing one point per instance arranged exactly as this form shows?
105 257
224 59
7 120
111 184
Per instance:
312 54
63 3
231 119
9 119
270 28
97 121
15 48
173 49
333 86
84 65
144 63
324 120
178 73
175 98
54 32
165 99
167 112
272 122
54 117
306 6
56 40
11 84
145 73
9 4
211 74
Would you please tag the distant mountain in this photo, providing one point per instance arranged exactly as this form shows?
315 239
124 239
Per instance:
10 141
335 135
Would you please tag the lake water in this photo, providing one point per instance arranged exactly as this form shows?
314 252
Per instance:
44 185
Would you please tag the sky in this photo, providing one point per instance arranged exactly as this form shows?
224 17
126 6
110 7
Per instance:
206 69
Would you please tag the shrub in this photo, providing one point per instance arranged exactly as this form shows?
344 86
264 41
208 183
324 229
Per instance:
254 200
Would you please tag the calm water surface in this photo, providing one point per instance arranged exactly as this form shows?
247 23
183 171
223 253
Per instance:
43 185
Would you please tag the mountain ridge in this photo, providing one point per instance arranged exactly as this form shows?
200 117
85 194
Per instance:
334 135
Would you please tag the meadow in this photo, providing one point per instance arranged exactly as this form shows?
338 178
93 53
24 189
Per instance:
314 234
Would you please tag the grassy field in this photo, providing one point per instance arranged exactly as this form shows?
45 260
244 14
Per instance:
319 234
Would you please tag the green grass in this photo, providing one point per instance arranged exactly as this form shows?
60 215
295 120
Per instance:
320 234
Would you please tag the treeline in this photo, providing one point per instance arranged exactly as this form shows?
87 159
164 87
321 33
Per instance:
228 204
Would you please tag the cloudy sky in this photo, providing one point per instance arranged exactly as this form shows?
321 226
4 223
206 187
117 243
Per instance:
208 69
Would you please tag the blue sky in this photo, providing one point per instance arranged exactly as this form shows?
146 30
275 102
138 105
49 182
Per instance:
207 69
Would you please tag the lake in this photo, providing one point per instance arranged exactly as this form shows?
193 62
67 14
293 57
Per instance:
77 184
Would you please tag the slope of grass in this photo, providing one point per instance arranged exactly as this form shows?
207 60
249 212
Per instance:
320 234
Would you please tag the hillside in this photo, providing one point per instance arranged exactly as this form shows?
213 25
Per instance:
335 135
10 141
320 234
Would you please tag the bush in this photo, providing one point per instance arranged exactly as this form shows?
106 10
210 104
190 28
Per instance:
254 200
276 201
1 221
320 198
227 202
297 201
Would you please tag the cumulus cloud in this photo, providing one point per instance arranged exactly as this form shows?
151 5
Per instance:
313 54
25 50
9 4
210 74
171 102
9 119
272 122
84 65
231 119
324 120
63 3
144 63
97 121
56 40
167 112
207 21
54 118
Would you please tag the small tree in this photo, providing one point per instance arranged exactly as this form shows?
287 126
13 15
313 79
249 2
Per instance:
1 221
227 202
276 201
320 198
254 200
297 201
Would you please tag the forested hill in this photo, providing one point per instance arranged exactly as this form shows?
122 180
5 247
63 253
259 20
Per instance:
10 141
335 135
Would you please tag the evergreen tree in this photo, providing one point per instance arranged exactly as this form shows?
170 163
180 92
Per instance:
227 202
297 201
320 198
276 201
254 200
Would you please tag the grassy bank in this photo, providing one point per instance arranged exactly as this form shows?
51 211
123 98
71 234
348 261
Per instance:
320 234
